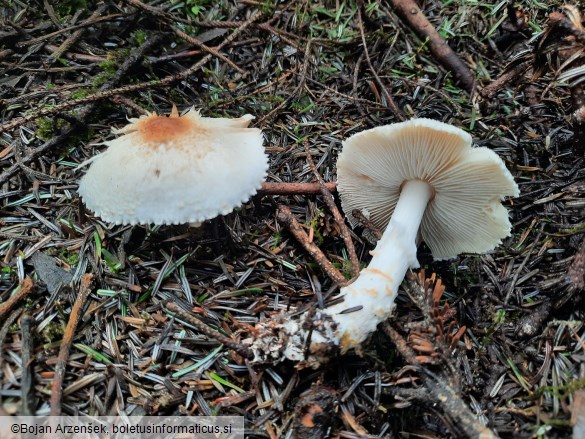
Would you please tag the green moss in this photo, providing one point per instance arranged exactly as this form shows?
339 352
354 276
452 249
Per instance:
302 105
118 56
52 332
267 8
70 258
314 224
139 37
273 98
81 93
68 7
346 269
47 127
193 8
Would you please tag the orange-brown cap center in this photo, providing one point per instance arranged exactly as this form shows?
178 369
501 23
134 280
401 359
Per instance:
161 129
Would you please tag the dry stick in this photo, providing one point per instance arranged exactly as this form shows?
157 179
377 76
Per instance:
256 91
389 99
25 289
330 201
72 39
411 13
441 391
105 95
278 188
285 216
285 36
27 357
52 49
121 100
490 90
456 409
85 23
168 18
64 350
53 16
105 91
210 332
208 49
576 271
358 215
150 9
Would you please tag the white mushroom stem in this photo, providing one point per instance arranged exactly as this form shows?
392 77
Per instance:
375 289
366 302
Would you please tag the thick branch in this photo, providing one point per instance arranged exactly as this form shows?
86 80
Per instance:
411 13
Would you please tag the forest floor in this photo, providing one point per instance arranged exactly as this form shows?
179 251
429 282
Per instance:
84 323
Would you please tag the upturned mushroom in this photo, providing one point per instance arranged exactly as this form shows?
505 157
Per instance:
175 169
416 180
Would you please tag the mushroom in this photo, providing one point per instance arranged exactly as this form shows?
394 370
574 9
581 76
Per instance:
176 169
418 180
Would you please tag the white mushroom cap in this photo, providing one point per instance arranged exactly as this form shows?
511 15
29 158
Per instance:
176 169
465 213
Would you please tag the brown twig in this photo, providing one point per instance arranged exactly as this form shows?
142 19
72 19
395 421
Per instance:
210 332
490 90
52 49
374 230
26 382
330 201
285 216
121 100
25 289
210 50
105 91
576 271
389 99
411 13
64 350
454 406
278 188
285 36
